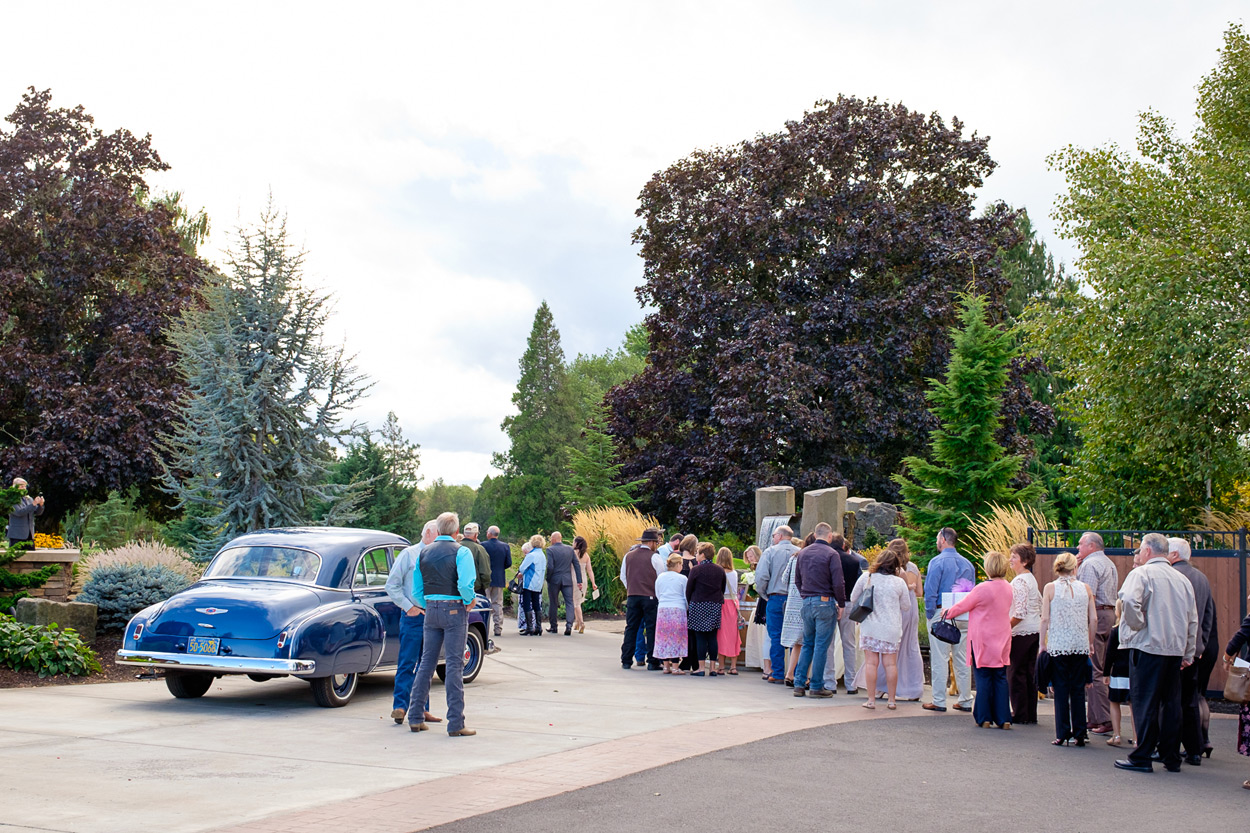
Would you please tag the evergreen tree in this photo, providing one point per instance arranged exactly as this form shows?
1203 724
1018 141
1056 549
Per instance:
266 397
540 432
968 469
594 471
402 458
1037 282
387 503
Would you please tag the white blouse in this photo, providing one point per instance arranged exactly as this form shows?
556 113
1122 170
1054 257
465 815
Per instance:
890 597
731 584
1026 605
1068 629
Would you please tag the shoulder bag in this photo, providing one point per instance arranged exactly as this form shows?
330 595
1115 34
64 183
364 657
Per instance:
864 606
1237 683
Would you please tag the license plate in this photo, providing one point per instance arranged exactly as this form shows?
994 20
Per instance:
202 644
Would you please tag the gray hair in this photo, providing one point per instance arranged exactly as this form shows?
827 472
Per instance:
784 532
1156 543
18 480
1181 547
430 529
448 523
492 532
527 547
1094 538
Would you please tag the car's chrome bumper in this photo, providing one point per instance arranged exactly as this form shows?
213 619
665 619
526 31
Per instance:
218 664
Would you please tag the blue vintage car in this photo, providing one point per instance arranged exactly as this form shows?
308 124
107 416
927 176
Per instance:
305 602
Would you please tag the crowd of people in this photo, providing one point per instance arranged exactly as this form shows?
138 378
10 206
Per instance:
1092 643
1089 642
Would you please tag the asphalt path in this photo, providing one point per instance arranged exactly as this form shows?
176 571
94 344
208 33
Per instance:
931 773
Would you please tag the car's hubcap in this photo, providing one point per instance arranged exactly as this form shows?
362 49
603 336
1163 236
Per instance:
341 682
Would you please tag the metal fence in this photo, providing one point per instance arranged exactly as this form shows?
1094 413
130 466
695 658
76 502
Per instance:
1219 555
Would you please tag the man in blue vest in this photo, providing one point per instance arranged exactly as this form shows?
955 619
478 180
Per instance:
442 586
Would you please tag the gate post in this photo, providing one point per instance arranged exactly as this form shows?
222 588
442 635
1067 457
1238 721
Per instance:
1241 563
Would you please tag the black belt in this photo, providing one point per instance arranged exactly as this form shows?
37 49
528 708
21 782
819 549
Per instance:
1104 607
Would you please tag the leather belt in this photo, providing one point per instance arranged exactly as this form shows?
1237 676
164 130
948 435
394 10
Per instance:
1104 607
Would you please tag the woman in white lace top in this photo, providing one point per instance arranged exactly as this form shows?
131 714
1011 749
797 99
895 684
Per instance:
882 632
1069 621
1026 624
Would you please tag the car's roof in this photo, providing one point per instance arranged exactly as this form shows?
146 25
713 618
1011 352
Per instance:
324 540
336 545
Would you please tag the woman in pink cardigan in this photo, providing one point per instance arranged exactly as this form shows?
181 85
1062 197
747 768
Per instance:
989 633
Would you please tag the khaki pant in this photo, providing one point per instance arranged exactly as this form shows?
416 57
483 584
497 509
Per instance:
495 594
1097 706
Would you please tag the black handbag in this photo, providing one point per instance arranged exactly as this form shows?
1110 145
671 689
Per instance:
514 586
947 631
864 606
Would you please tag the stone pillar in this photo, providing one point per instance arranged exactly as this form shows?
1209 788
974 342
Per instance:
773 500
828 505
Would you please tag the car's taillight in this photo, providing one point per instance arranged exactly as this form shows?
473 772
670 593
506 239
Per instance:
282 638
138 631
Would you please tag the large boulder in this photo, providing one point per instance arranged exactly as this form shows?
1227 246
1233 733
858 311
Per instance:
881 517
80 616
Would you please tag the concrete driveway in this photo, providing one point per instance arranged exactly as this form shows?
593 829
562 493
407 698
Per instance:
105 758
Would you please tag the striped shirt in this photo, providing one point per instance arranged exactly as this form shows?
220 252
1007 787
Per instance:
1100 574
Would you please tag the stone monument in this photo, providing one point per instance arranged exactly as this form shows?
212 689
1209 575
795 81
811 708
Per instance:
828 505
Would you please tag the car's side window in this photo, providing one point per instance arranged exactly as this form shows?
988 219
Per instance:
373 569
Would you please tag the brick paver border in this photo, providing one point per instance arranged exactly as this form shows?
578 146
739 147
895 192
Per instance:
443 800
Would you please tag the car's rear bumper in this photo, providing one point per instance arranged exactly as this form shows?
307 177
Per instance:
218 664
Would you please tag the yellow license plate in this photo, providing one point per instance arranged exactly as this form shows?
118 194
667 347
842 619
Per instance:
203 644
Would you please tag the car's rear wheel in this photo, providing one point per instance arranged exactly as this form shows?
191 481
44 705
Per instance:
187 685
474 650
333 692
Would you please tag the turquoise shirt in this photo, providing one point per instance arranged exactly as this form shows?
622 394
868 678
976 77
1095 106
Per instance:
466 576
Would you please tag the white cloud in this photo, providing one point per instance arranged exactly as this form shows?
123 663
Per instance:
448 166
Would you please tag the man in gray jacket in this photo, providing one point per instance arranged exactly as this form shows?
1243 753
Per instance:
772 583
562 565
22 518
1194 679
1159 629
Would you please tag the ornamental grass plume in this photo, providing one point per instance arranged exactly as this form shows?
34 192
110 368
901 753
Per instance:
999 529
619 526
141 553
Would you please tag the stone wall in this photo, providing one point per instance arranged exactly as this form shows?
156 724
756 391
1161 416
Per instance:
58 587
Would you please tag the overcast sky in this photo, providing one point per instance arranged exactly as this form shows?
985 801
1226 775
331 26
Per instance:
448 166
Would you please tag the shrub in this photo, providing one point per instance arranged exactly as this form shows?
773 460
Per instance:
113 522
45 649
122 590
142 553
610 532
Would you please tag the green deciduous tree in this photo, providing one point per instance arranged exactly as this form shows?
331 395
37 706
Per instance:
967 469
1158 349
266 397
441 497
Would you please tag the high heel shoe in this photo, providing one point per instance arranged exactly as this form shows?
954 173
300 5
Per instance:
1206 753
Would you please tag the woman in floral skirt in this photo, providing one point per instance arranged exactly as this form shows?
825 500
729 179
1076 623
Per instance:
1239 640
670 617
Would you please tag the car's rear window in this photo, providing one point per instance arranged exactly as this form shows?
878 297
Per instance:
265 562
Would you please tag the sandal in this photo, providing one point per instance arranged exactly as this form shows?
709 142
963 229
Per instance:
1115 740
868 705
1245 785
766 677
1059 742
892 706
679 673
668 671
733 672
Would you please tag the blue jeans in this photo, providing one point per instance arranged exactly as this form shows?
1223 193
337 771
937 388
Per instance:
446 626
411 637
640 646
774 616
818 621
